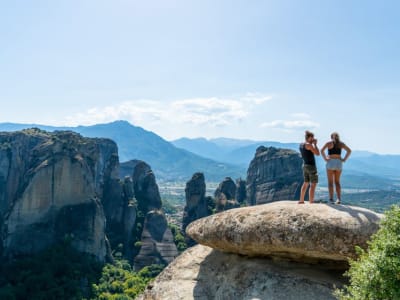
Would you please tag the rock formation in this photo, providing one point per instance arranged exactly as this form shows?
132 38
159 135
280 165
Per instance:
157 242
305 233
280 250
196 202
61 186
240 191
225 195
145 187
274 174
202 273
51 189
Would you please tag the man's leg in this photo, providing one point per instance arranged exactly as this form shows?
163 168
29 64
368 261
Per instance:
312 192
303 191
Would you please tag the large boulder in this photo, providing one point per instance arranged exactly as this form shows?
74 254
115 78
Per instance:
299 232
274 174
202 273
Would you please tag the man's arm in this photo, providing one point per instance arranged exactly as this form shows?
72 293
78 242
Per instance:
313 147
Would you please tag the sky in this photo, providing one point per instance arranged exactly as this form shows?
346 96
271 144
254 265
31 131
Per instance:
245 69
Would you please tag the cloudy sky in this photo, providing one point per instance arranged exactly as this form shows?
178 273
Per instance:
263 70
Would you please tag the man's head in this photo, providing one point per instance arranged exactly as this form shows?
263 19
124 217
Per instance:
309 136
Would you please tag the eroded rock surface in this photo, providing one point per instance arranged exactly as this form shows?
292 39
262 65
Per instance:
300 232
202 273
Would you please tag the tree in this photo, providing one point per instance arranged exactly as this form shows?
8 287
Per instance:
376 272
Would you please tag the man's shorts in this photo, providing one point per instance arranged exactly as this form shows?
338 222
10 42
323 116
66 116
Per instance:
310 173
334 164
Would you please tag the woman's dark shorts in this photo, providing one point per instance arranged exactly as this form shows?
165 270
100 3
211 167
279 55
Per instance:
310 173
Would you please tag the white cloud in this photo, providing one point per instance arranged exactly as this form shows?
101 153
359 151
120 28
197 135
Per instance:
256 98
291 124
212 111
298 121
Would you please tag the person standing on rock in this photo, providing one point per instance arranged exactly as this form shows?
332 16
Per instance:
334 162
308 150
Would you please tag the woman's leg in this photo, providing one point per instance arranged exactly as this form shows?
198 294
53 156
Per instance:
330 175
336 175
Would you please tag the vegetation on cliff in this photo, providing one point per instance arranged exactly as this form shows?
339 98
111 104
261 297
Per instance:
61 272
118 281
376 273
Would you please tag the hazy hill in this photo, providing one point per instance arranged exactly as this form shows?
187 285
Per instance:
364 170
167 161
238 151
221 157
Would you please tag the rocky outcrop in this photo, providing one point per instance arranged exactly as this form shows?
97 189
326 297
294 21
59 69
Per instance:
281 250
202 273
196 202
274 174
304 233
145 187
156 243
51 189
225 195
240 191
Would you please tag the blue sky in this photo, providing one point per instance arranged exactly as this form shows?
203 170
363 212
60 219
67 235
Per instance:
264 70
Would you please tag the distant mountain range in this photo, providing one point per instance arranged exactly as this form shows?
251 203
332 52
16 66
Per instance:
217 158
168 162
364 170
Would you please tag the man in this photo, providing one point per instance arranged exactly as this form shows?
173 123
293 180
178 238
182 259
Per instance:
308 151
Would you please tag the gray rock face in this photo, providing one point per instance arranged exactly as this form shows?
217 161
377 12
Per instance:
225 195
157 241
240 191
196 202
273 175
312 233
49 179
203 274
145 187
158 245
226 187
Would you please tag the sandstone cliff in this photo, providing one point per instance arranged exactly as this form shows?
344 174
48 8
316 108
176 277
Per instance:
274 174
280 250
51 185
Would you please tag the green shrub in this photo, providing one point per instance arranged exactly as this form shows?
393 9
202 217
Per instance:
376 273
118 282
179 239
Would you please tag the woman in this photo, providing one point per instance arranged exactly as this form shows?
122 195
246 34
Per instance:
334 163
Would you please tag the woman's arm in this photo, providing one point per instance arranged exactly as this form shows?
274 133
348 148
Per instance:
323 151
348 152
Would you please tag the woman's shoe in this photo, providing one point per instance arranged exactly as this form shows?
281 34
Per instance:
338 201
